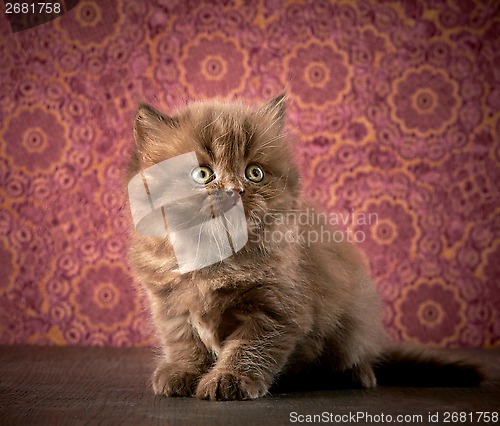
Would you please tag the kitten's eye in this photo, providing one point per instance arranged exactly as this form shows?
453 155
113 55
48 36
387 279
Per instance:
254 173
202 175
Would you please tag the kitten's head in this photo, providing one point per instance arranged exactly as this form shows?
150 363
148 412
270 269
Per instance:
240 151
209 176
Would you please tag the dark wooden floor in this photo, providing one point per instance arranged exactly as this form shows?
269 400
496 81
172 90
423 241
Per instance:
101 386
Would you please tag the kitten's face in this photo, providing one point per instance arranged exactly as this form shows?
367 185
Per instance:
241 153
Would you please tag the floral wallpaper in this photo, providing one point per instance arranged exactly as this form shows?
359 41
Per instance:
394 106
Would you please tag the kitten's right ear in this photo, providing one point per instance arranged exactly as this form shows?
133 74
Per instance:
152 132
150 126
276 110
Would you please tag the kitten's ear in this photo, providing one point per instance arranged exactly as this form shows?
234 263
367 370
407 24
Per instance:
275 108
151 130
150 126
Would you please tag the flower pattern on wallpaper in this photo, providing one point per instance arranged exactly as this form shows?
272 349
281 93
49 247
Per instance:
214 66
430 312
317 73
105 295
424 101
90 22
395 111
41 139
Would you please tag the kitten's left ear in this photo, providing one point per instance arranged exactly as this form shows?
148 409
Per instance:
276 109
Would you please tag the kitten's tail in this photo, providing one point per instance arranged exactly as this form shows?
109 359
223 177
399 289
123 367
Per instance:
411 366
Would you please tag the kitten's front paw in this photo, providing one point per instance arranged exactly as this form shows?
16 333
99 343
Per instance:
228 386
169 380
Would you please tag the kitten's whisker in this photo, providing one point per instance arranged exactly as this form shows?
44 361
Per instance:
199 242
217 243
224 224
285 185
274 193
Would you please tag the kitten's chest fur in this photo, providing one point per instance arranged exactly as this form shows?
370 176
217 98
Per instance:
215 317
207 332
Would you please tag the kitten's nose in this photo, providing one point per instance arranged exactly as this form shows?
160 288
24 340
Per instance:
235 193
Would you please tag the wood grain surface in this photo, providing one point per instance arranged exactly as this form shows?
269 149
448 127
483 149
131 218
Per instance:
110 386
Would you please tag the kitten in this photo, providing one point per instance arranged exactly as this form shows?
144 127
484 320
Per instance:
230 326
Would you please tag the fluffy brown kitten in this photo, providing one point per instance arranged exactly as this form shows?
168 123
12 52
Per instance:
276 308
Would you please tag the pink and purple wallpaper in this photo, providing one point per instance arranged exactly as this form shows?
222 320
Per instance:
394 106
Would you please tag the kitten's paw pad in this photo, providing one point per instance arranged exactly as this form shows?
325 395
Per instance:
171 381
229 387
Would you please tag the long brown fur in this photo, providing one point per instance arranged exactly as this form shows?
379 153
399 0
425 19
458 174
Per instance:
274 309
